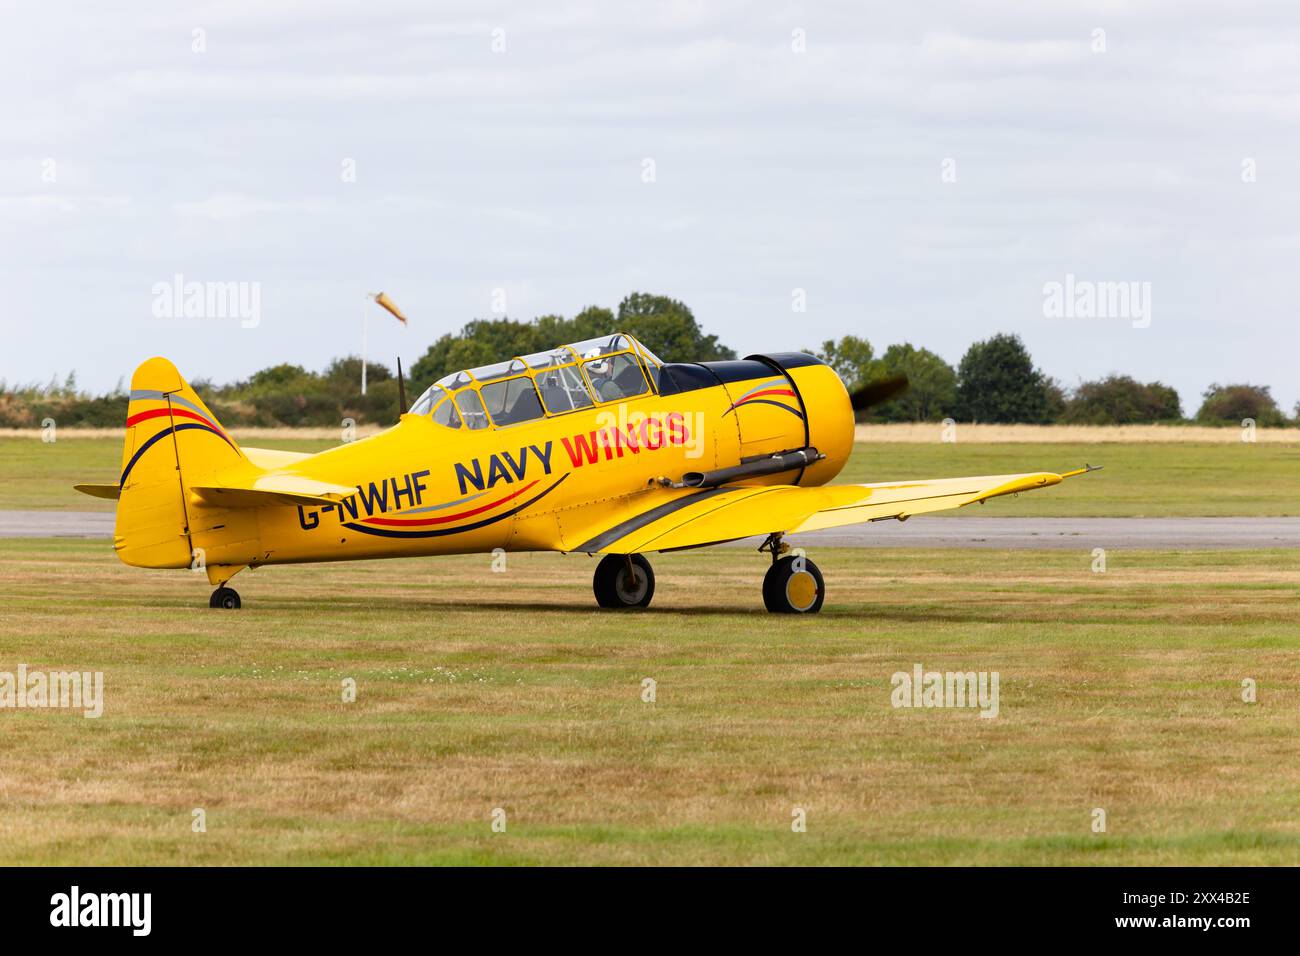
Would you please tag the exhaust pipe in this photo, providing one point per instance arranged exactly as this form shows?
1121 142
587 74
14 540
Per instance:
771 465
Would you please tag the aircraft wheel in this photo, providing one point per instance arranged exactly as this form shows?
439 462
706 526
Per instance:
794 585
224 597
617 585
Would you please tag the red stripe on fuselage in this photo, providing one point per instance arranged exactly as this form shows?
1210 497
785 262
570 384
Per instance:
768 391
443 519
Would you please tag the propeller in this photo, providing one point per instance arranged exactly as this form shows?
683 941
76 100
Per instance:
881 390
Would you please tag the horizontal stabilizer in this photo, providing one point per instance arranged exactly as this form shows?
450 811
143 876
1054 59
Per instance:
271 489
270 458
100 491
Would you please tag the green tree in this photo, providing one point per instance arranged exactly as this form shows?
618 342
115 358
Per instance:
1122 400
997 382
1229 404
343 375
669 329
852 358
664 325
279 376
480 342
591 322
932 385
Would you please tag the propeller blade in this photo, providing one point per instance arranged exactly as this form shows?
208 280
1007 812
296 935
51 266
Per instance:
881 390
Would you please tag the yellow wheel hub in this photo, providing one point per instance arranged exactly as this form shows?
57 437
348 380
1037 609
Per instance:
801 590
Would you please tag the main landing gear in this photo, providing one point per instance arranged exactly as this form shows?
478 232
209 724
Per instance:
793 584
623 581
224 597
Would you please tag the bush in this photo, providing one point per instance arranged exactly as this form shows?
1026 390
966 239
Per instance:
1122 400
1230 404
106 411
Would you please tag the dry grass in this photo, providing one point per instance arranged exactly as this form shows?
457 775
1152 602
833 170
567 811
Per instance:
932 433
479 690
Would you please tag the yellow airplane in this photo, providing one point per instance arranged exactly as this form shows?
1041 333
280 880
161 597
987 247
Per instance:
597 447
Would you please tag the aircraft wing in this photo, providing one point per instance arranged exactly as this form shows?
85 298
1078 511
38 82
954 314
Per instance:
694 517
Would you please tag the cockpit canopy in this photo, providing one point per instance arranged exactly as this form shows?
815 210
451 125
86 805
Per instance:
612 368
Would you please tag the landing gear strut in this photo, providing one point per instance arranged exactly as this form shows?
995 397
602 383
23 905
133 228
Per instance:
623 581
225 597
793 584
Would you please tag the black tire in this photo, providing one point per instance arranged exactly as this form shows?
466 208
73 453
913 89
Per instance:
794 585
227 598
613 588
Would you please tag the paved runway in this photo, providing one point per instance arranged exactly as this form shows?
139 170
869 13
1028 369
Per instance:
56 524
1177 533
921 532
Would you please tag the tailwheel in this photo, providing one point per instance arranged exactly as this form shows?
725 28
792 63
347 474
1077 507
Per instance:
624 580
225 597
793 585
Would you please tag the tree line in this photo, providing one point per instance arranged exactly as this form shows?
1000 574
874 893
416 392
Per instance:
996 381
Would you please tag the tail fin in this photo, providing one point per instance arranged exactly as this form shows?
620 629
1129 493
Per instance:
172 440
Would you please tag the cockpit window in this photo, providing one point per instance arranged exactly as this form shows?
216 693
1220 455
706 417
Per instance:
425 402
615 378
445 414
652 363
601 346
512 401
486 373
650 356
563 389
604 369
539 360
454 380
471 409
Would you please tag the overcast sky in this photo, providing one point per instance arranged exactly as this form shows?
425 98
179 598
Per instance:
794 147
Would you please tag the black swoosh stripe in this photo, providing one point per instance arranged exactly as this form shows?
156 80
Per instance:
166 431
782 362
624 528
440 532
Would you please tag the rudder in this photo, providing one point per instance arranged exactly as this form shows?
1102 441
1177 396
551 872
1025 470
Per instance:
172 439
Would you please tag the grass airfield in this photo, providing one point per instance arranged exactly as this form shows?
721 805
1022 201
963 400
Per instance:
479 690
